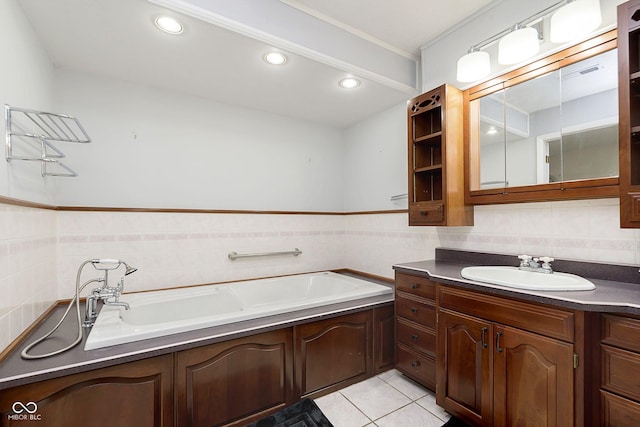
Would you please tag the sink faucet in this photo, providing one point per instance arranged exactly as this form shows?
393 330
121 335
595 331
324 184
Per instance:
109 295
529 263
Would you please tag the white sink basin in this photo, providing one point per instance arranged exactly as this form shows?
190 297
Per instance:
515 278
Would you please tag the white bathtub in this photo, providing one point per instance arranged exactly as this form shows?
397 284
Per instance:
159 313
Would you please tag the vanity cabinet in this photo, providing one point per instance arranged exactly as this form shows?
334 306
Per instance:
134 394
415 308
629 112
502 362
620 371
436 160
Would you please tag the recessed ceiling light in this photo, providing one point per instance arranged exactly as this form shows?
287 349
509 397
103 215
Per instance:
275 58
492 131
349 83
169 25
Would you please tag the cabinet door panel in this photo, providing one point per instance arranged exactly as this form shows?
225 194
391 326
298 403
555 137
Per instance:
234 380
533 380
383 339
464 374
135 394
333 353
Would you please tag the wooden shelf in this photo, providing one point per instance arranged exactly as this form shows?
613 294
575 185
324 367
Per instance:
436 164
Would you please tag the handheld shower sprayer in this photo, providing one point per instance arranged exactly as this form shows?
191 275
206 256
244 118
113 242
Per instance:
104 293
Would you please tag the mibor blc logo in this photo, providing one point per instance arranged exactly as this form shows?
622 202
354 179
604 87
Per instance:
24 412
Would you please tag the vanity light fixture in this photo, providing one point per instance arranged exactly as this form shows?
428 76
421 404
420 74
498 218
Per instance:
473 66
168 25
275 58
574 20
518 45
569 20
349 83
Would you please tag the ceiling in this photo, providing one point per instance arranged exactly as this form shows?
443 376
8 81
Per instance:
117 39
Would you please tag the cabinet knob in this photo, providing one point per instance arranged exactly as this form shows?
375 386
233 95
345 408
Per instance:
414 310
414 286
414 338
415 364
424 213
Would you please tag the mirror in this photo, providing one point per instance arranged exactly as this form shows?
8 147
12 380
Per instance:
549 127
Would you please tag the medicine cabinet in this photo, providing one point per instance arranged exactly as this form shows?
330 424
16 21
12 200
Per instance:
546 131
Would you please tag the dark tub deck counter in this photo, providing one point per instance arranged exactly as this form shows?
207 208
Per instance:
16 371
617 287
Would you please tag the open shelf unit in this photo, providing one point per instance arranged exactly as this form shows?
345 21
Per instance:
436 173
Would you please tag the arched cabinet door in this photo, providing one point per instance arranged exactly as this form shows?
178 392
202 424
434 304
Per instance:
234 382
464 361
135 394
333 353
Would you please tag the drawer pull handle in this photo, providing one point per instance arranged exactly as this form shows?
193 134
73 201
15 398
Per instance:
484 337
424 213
415 364
498 348
414 286
414 310
414 338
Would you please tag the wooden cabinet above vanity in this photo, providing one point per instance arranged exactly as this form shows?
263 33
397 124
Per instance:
629 111
436 161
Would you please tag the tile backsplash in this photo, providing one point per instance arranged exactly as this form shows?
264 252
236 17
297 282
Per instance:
40 250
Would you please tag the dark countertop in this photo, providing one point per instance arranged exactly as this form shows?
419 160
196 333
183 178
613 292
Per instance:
617 287
16 371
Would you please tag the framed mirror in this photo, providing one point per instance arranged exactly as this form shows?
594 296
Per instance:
546 131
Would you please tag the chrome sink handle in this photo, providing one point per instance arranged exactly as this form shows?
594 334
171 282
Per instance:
546 264
524 260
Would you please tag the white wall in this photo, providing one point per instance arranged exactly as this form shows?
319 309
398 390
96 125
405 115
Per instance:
26 81
375 161
156 148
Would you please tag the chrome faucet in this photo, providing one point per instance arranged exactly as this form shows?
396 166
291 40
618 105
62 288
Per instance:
109 295
529 263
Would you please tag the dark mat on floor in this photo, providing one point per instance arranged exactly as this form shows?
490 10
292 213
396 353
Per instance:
455 422
302 414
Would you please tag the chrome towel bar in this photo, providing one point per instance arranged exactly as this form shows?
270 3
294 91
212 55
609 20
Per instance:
235 255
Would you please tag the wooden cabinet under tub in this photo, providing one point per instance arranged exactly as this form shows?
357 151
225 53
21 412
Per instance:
135 394
230 383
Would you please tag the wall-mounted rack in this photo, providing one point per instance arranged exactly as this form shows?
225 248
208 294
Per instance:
34 132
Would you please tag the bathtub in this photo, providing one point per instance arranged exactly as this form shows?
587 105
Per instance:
159 313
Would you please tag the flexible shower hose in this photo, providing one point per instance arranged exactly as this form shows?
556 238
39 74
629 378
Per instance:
25 353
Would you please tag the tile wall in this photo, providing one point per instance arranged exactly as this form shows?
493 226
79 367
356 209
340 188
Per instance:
28 266
176 249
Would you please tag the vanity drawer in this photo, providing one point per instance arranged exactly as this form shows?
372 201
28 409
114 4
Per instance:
420 367
618 411
417 310
623 332
416 285
544 320
416 337
620 371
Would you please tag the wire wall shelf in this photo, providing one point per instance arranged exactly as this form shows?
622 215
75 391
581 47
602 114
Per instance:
30 135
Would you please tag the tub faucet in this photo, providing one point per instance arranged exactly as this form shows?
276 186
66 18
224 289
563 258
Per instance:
109 295
529 263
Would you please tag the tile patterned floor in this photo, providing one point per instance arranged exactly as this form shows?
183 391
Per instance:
387 400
